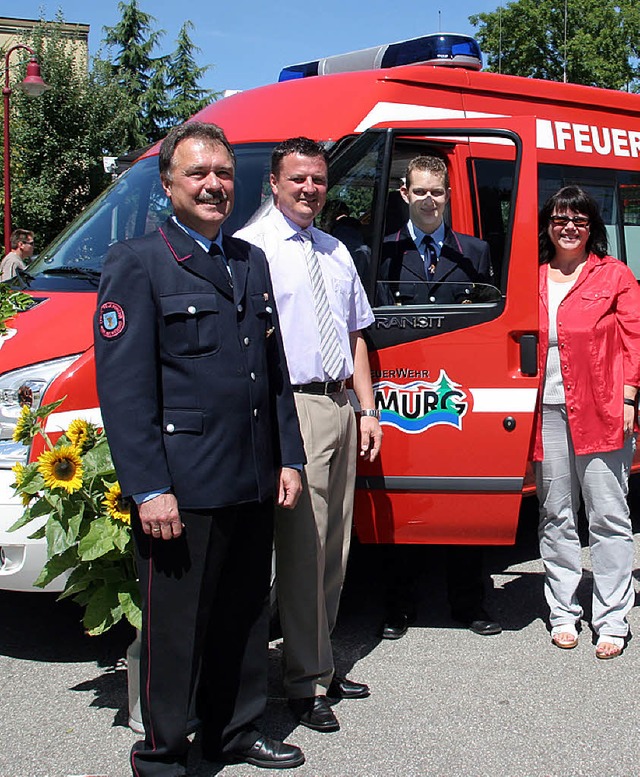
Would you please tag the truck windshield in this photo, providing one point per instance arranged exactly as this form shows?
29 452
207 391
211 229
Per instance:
132 206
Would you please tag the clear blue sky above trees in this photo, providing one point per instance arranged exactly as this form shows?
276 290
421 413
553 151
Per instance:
249 41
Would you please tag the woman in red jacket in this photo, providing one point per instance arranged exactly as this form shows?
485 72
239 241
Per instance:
590 363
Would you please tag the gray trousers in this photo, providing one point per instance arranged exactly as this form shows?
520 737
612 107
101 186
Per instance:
603 480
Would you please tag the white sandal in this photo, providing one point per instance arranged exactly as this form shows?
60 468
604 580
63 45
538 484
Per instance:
566 630
616 642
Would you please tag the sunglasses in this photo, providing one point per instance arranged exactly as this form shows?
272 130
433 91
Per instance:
579 222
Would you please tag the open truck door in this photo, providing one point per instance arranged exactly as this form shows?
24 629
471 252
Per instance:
455 383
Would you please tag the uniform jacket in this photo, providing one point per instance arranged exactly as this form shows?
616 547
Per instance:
192 377
463 259
599 342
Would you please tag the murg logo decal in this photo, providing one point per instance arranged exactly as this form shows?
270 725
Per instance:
417 406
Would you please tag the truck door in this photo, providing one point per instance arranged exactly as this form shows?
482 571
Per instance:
455 374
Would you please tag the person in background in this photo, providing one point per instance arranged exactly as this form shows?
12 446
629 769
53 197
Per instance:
589 358
201 422
426 262
20 255
323 309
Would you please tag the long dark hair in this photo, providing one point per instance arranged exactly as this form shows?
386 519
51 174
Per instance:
575 199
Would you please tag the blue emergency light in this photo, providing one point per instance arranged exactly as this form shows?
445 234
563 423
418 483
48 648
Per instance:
441 48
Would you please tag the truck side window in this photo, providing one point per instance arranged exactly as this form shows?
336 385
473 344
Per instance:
451 268
351 200
630 203
617 192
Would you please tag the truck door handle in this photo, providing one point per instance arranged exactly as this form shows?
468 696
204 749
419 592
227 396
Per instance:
529 354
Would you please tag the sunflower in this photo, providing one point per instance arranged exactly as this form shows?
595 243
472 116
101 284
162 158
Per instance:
116 507
81 434
61 468
19 471
25 426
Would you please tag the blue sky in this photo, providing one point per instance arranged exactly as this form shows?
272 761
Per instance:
247 42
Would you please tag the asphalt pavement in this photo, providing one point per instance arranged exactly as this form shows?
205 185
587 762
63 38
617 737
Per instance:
444 703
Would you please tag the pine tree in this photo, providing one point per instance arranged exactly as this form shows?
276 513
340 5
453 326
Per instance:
183 75
139 74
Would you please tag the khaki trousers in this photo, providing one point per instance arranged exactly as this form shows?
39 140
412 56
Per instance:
312 543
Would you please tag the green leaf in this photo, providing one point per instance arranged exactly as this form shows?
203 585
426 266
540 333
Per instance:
41 507
129 598
57 537
122 538
75 525
99 540
79 580
103 610
39 534
45 410
55 567
24 519
97 460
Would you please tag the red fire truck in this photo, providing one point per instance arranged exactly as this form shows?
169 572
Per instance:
456 384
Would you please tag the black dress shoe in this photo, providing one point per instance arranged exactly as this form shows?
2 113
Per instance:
268 754
343 688
479 622
314 712
396 624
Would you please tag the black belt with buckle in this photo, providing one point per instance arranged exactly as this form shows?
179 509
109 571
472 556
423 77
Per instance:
330 387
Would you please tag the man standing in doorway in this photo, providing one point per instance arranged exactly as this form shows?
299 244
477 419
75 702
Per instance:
323 310
424 263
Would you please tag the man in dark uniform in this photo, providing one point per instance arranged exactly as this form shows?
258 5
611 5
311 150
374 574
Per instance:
198 409
426 262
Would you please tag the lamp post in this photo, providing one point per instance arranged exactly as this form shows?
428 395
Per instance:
34 86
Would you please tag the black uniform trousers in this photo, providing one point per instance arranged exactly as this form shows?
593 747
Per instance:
464 578
204 634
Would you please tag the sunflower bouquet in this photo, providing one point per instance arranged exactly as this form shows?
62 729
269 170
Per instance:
71 491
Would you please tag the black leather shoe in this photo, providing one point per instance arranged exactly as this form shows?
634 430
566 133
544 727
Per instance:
396 624
479 622
314 712
268 754
343 688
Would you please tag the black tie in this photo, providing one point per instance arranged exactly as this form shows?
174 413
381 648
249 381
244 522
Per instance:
217 254
430 256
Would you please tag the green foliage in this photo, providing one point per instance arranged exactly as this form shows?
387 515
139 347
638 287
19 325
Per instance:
58 140
598 43
165 88
11 302
87 529
138 74
183 75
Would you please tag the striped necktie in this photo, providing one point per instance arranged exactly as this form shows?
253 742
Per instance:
329 343
430 256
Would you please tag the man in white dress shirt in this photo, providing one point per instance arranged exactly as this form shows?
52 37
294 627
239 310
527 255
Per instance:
324 347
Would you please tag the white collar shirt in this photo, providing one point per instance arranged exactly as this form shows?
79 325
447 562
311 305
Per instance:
276 235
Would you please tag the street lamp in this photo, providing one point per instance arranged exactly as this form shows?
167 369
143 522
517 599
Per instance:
33 86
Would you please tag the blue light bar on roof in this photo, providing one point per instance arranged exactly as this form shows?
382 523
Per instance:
442 48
